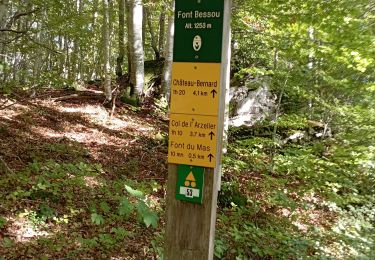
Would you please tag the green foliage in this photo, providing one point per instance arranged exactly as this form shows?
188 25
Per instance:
149 217
158 245
97 219
161 106
3 222
230 195
287 182
136 193
291 122
105 241
125 207
120 233
7 242
137 204
90 243
134 102
61 195
144 212
105 207
45 212
60 150
318 58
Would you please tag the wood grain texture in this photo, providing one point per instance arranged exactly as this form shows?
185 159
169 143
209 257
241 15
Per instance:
188 226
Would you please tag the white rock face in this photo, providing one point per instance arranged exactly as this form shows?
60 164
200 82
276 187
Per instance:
250 106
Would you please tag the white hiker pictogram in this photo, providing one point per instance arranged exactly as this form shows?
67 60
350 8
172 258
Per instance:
197 43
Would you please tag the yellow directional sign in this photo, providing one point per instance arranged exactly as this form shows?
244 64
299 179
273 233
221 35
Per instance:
192 140
195 88
196 83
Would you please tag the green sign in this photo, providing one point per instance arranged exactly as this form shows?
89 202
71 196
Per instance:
198 30
190 180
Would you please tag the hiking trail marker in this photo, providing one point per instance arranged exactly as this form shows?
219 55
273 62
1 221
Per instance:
199 86
190 183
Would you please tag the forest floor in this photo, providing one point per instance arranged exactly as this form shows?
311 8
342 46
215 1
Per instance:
76 182
81 181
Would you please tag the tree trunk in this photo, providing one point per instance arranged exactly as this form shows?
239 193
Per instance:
311 65
136 48
168 54
3 12
66 57
121 34
75 56
95 71
37 62
161 31
152 34
129 57
144 27
79 49
3 15
106 51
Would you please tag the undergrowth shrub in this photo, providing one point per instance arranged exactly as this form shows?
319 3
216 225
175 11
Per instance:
282 198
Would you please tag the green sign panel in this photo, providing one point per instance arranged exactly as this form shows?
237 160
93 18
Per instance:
190 180
198 30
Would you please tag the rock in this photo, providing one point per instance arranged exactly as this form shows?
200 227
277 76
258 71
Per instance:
295 137
250 104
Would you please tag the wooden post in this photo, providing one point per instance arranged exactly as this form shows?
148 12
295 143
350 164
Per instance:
190 228
189 233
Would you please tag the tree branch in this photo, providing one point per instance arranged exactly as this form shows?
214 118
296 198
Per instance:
5 107
43 45
6 165
10 30
13 39
18 15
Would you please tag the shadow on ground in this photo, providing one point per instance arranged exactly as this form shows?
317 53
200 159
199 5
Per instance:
62 163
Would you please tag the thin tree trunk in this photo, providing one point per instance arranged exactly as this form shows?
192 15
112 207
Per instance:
152 34
128 49
106 51
144 27
15 63
311 65
37 64
75 74
67 58
168 54
61 57
121 35
3 12
79 49
161 31
95 59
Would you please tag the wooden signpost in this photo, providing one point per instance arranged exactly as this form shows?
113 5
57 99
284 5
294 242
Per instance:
200 75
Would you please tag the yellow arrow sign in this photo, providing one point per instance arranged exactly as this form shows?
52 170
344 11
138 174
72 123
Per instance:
192 140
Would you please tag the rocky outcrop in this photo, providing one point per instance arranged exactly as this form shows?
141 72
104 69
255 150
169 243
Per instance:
250 103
